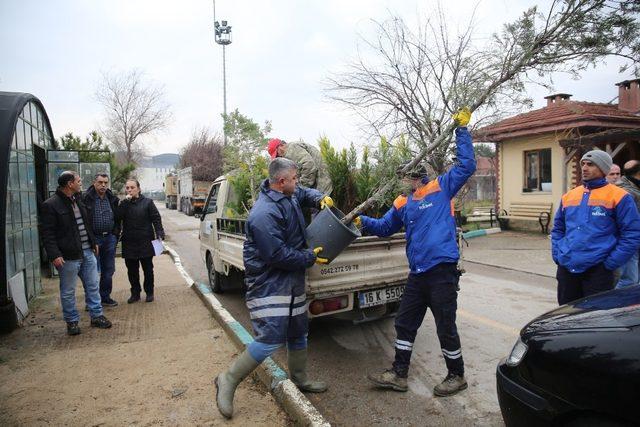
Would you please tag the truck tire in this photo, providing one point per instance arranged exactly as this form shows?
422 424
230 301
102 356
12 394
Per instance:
189 209
215 279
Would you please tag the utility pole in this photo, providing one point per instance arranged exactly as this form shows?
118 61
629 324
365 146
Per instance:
222 32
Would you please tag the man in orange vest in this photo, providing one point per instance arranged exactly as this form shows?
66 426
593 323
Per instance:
596 230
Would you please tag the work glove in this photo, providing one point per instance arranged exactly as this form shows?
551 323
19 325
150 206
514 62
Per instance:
357 222
319 260
326 202
462 117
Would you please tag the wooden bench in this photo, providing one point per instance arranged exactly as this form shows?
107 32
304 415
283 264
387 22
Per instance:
482 214
527 211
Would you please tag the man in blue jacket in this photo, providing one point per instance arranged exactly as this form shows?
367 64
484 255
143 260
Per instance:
596 230
428 218
275 258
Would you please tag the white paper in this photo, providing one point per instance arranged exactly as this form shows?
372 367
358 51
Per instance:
158 247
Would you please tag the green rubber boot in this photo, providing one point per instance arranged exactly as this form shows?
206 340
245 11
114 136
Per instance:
227 382
297 360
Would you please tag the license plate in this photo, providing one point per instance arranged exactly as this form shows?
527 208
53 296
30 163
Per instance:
380 296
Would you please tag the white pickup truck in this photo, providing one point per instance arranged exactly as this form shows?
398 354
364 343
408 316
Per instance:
364 282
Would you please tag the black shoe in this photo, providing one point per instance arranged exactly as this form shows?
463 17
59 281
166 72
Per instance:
101 322
109 302
149 298
133 298
73 328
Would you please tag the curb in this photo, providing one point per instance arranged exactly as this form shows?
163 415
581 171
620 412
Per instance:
288 396
483 232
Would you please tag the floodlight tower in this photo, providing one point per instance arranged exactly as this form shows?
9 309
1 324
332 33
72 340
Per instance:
222 32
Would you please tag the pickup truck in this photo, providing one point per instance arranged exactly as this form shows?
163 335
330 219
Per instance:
364 282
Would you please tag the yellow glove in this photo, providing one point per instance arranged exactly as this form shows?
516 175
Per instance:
326 202
357 222
319 260
462 117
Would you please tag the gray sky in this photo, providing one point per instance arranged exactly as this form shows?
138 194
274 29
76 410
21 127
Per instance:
281 52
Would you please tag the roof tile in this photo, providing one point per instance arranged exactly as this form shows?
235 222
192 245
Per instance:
565 112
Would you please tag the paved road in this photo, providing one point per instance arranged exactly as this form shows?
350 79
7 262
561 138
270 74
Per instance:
493 305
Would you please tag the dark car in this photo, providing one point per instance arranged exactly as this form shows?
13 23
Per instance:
576 365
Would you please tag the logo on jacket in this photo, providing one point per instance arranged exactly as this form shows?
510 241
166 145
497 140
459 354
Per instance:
425 205
598 211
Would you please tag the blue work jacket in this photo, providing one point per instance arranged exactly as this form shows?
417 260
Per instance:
596 223
275 258
427 213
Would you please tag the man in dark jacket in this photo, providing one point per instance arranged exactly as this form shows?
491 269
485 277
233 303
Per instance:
275 258
596 230
71 247
428 219
101 205
630 182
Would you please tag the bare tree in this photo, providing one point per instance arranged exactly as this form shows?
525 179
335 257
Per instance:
421 78
132 108
204 154
415 82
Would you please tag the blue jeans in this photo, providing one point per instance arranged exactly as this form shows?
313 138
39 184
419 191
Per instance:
106 263
629 273
260 351
87 269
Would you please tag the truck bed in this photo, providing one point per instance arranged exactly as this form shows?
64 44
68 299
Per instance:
368 263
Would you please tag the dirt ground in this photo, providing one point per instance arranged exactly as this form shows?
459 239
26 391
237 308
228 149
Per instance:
155 366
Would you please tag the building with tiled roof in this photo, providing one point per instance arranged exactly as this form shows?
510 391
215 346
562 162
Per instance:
538 152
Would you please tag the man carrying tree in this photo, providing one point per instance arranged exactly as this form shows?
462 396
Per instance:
312 171
427 216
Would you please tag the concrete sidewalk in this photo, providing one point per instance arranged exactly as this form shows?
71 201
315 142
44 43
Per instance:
528 252
155 366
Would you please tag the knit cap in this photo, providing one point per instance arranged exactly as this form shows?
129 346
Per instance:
600 158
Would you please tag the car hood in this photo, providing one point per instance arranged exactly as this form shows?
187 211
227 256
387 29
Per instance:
619 308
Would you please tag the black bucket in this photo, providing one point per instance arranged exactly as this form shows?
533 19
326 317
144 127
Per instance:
328 231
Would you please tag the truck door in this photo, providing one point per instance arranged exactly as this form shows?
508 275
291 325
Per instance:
208 238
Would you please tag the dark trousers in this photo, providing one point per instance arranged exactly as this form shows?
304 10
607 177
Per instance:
106 263
133 271
573 286
436 289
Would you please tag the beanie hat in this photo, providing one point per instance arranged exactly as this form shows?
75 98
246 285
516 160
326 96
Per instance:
272 148
600 158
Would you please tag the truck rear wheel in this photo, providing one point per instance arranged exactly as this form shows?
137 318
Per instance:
215 281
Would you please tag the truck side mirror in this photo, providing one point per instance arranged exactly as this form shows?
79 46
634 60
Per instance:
209 210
